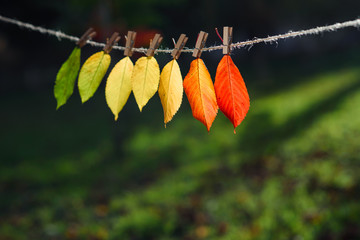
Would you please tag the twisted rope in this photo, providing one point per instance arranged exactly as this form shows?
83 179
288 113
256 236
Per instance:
249 43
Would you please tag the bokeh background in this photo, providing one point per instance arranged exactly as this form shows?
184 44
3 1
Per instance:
290 172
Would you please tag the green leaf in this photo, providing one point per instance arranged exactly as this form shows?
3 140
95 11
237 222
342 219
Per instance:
65 79
91 74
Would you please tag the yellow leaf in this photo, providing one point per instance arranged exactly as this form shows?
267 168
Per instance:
91 74
170 90
145 80
118 85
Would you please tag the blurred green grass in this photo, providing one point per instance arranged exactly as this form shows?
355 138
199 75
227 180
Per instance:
290 172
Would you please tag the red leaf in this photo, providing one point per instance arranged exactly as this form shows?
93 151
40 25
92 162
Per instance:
231 93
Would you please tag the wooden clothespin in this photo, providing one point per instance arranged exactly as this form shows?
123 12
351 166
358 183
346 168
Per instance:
89 34
227 33
179 46
130 41
111 42
200 43
155 43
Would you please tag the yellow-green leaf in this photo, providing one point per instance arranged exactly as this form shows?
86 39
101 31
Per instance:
170 89
65 79
145 80
118 85
91 74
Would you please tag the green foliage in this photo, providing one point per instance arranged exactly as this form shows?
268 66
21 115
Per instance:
65 79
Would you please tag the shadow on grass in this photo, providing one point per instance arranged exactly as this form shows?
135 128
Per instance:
262 135
262 138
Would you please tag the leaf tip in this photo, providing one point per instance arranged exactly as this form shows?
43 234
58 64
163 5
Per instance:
84 99
208 128
116 117
58 106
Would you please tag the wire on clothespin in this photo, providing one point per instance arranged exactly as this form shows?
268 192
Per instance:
227 34
179 46
130 41
88 35
155 43
200 43
111 42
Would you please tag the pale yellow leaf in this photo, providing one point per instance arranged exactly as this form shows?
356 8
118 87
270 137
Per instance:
118 85
91 74
170 89
145 80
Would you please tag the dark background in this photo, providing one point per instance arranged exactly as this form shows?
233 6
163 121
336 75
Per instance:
290 172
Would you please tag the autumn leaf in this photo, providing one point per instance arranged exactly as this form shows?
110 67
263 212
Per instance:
231 92
65 79
171 89
200 92
145 80
91 74
118 85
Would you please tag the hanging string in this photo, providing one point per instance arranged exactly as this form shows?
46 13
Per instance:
249 43
217 32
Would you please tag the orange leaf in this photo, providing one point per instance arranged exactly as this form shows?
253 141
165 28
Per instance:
231 92
200 92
